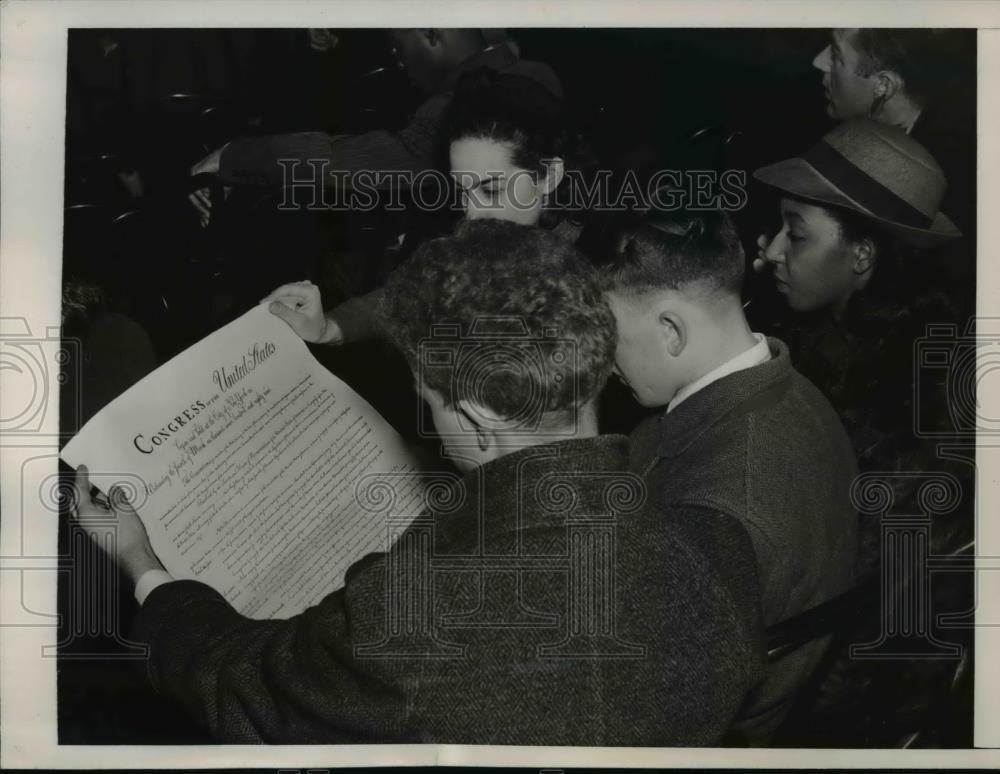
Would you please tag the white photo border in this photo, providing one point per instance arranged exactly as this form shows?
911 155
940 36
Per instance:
33 50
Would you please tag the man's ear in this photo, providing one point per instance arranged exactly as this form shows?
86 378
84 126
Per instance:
674 330
888 84
483 420
555 170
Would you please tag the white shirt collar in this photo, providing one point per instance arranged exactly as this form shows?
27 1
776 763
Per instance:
757 354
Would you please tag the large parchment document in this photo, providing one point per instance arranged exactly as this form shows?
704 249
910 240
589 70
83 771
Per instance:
250 450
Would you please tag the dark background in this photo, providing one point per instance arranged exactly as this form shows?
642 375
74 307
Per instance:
147 104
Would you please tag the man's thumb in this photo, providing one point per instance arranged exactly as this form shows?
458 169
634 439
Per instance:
278 309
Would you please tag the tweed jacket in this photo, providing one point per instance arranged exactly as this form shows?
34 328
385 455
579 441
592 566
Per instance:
764 448
542 604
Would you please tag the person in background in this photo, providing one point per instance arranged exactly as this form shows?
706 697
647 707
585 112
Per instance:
509 144
510 149
884 74
741 437
668 647
860 260
913 80
433 59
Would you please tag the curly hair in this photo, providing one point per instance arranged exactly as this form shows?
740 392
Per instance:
506 316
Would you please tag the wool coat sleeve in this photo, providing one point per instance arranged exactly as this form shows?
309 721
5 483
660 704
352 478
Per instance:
254 160
362 317
686 603
283 681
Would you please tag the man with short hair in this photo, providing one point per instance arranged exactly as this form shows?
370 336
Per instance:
919 80
541 604
885 74
743 437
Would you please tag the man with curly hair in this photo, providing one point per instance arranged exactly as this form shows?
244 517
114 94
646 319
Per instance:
541 604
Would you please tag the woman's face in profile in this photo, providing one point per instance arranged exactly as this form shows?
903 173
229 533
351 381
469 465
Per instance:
492 185
813 264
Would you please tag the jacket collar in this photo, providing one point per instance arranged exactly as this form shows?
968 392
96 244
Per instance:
757 354
578 455
738 392
561 479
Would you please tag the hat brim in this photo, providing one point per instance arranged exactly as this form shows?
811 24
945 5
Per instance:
799 178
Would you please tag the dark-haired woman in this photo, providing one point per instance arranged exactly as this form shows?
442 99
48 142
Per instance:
856 259
511 152
510 155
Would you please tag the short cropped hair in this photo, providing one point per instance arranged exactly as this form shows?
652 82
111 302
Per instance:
673 249
507 316
924 58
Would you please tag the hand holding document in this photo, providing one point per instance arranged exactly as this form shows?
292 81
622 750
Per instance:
249 450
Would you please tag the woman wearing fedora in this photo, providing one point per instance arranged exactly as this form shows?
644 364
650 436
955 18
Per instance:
861 258
858 259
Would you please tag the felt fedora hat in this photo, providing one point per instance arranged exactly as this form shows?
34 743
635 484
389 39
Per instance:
876 170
